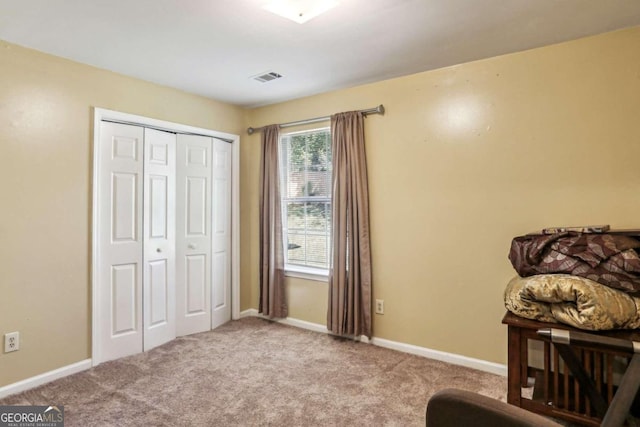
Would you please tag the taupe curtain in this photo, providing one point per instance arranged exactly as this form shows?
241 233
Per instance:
272 296
349 312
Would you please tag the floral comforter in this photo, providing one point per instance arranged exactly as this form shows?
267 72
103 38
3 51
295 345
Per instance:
575 301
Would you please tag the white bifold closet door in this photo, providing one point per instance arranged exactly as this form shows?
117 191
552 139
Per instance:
164 237
203 264
221 239
159 242
137 239
193 265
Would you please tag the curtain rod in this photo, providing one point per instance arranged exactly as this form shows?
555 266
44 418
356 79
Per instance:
376 110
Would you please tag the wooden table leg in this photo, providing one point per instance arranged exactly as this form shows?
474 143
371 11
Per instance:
514 392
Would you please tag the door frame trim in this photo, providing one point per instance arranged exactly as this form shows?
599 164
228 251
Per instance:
100 114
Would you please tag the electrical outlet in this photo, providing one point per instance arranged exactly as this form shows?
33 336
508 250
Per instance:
379 306
11 342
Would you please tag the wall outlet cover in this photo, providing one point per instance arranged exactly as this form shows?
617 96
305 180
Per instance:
11 342
379 306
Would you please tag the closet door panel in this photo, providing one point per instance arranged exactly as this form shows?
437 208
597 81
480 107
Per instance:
123 299
196 284
159 238
193 247
159 293
158 211
124 193
119 217
196 207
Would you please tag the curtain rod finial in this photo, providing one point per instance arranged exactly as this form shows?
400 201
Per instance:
380 109
250 131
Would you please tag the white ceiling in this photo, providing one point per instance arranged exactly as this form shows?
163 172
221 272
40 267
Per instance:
213 47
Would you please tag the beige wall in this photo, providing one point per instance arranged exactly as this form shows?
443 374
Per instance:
45 206
465 158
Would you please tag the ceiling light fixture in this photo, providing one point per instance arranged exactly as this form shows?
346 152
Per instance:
300 11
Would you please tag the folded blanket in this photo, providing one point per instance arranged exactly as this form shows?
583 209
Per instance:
576 301
609 259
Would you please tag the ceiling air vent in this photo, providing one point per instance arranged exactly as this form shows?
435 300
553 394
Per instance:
267 77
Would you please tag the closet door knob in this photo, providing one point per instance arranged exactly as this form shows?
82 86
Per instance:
158 250
192 246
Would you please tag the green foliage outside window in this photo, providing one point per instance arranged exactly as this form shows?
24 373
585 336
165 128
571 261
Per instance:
306 160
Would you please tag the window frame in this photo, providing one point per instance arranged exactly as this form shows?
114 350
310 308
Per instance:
297 270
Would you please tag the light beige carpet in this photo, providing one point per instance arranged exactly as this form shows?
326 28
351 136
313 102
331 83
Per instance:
253 372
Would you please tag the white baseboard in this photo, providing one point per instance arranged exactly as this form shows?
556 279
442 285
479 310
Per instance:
250 312
32 382
316 327
455 359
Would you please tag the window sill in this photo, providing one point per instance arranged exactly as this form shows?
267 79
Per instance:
315 274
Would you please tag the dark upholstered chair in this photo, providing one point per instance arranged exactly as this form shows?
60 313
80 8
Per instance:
456 408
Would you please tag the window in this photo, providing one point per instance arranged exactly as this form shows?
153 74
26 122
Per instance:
305 170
